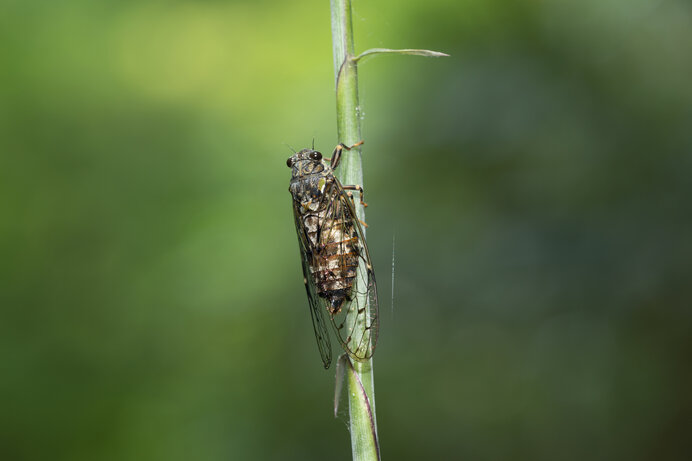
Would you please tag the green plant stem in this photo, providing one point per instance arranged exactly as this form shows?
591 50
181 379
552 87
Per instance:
360 377
347 109
361 384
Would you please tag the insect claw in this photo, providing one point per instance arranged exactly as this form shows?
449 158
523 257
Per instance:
363 223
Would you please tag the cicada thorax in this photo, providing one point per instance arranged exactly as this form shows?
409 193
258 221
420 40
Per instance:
334 241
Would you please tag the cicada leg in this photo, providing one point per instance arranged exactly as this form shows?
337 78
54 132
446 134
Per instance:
359 189
336 156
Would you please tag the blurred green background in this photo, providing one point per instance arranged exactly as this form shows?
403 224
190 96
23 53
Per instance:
536 185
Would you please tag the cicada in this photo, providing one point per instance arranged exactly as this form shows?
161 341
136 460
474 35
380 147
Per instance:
337 270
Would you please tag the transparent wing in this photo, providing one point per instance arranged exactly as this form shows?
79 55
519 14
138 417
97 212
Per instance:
356 323
317 307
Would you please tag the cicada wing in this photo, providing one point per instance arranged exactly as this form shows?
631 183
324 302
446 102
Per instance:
317 306
356 323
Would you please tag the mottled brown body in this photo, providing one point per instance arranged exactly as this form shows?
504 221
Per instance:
332 247
330 233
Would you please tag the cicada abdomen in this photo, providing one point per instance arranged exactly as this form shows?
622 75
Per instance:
337 270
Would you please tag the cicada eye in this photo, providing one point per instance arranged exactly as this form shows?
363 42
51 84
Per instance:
314 155
289 162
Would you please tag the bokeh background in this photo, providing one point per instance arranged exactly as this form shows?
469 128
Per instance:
533 190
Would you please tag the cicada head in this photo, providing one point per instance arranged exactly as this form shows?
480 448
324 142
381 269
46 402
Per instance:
305 162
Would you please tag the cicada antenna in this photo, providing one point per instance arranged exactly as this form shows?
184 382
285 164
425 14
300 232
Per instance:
292 149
